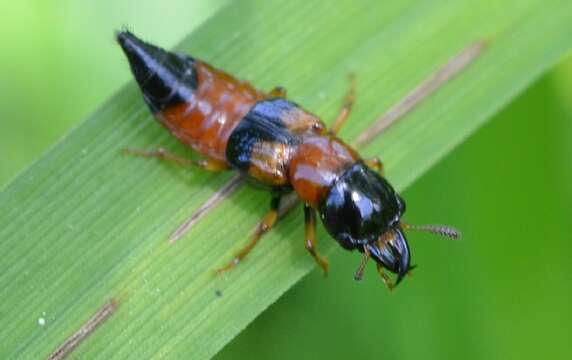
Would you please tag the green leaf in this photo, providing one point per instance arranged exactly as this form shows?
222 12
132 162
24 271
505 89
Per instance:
85 224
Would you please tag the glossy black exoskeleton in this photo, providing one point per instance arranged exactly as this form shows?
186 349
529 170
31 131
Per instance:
359 208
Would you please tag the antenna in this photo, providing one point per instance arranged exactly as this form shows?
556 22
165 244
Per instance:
443 230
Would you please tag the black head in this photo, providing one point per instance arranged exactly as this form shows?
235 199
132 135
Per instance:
360 206
363 212
360 210
165 78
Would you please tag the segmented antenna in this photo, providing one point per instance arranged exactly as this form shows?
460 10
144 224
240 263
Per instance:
446 231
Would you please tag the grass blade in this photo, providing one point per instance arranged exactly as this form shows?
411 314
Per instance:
85 225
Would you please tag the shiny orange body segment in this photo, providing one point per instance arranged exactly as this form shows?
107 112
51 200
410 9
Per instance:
207 119
270 161
316 164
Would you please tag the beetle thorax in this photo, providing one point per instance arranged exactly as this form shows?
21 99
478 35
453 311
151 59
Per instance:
316 164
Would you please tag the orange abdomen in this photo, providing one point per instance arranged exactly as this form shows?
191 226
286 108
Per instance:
208 117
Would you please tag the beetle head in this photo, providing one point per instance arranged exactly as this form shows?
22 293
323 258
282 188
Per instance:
359 207
363 212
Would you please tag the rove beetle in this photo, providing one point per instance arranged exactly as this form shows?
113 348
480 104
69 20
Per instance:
275 142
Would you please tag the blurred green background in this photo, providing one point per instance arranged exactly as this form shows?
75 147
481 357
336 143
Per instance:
504 291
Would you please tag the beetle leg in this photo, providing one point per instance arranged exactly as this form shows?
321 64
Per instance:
386 279
358 276
346 106
207 164
310 234
263 227
375 164
278 91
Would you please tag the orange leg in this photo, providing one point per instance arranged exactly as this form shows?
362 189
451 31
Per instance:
263 227
346 106
207 164
386 279
375 164
278 91
310 232
358 276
